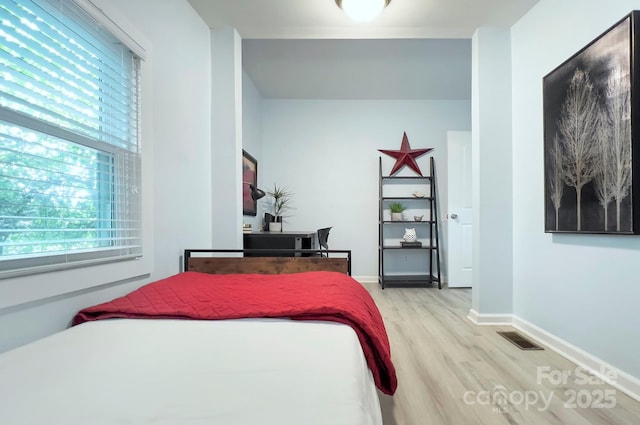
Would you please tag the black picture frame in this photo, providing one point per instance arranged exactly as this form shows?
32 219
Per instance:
591 125
249 177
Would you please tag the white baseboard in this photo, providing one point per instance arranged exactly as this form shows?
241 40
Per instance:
490 319
623 381
366 279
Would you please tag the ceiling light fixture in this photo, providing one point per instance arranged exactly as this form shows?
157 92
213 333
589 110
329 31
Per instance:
362 10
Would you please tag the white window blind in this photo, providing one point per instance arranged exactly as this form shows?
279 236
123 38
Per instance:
69 141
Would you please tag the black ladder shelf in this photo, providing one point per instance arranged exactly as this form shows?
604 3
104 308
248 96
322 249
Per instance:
391 252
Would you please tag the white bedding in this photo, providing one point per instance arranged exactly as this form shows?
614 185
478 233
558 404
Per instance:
190 372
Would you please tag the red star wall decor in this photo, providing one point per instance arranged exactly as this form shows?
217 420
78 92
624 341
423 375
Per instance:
405 156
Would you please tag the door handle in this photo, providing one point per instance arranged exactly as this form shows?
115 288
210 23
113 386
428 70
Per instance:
454 216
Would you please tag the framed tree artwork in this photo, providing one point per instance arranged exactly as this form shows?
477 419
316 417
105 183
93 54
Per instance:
591 126
249 177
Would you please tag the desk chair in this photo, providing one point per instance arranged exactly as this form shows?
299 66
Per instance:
323 237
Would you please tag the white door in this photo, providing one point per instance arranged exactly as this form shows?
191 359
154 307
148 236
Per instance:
459 214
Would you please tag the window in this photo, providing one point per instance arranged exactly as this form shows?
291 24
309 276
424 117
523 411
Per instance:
69 141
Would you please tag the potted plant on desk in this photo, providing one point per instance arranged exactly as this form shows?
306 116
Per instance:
281 203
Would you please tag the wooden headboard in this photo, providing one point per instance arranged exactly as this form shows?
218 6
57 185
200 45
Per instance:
274 261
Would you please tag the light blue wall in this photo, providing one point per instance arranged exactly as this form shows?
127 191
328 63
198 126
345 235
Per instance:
179 96
492 269
226 138
583 289
252 135
326 152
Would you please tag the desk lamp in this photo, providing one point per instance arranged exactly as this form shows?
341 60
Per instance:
256 193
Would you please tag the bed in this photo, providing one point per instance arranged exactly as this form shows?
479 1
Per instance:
317 353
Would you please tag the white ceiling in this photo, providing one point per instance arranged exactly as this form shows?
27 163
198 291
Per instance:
309 49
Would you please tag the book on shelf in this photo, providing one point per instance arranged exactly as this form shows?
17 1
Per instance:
416 244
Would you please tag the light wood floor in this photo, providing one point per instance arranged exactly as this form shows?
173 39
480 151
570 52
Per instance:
455 373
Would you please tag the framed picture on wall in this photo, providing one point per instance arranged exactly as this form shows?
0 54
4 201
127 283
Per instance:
249 177
591 136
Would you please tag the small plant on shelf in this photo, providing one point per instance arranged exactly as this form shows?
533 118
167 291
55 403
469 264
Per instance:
396 209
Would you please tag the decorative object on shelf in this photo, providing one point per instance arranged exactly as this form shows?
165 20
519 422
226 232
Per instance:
418 195
418 217
362 10
246 228
589 141
396 209
409 234
416 244
249 184
281 202
405 156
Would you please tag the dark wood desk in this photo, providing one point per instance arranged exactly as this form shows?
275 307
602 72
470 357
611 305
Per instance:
301 239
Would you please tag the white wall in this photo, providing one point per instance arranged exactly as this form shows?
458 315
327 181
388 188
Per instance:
176 174
326 153
581 288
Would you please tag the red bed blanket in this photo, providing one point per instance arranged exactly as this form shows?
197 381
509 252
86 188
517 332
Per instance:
327 296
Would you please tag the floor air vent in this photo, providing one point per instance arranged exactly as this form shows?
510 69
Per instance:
520 341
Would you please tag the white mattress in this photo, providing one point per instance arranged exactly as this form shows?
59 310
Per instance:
188 372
